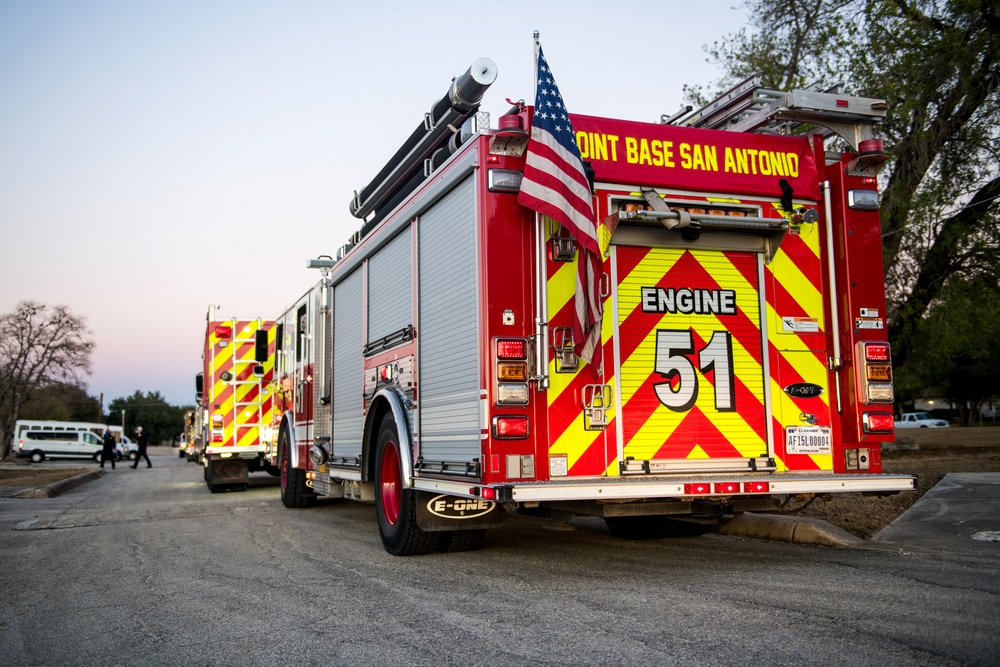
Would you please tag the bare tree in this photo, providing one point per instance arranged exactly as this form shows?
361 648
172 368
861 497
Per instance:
39 345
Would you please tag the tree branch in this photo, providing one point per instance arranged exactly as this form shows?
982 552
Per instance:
938 265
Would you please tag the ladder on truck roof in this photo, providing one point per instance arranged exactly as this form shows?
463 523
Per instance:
748 107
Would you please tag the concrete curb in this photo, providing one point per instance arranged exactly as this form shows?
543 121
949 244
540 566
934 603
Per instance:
797 530
62 486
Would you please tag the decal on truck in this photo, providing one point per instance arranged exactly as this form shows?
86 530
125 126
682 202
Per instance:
690 357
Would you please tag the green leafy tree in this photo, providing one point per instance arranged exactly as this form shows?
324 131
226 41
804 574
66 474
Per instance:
960 348
937 64
162 422
40 346
64 402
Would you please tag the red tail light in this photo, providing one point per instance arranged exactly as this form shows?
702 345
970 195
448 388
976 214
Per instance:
701 488
756 487
223 331
512 348
876 351
878 422
510 427
727 487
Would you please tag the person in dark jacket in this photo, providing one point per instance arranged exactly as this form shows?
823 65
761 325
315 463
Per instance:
142 440
108 450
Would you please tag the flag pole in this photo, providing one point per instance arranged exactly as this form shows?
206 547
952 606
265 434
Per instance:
541 288
538 45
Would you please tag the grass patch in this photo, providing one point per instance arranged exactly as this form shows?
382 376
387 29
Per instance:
37 476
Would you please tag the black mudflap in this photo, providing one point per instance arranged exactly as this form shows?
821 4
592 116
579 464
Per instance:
228 472
437 513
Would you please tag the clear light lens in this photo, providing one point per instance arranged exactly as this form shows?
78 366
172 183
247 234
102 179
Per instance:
862 200
512 394
504 180
879 392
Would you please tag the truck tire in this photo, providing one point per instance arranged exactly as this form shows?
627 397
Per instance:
396 507
97 457
37 456
294 491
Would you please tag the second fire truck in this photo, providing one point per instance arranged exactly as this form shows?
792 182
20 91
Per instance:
233 421
433 369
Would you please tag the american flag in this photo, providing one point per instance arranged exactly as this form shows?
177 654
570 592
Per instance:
556 185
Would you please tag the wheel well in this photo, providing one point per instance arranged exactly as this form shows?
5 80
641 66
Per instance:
281 431
376 412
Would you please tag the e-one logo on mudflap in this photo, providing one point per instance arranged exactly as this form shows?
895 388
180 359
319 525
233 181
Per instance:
450 507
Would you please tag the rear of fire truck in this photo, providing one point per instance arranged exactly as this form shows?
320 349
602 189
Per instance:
745 361
236 400
745 358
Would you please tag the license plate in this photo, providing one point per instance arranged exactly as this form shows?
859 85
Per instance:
807 440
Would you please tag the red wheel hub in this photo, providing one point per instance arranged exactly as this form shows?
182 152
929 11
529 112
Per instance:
390 483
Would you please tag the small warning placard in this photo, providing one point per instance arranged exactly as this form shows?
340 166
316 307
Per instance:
862 323
800 324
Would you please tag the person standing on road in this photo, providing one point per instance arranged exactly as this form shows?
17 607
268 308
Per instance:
143 440
108 450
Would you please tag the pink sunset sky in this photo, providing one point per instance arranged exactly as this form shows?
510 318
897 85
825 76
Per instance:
159 157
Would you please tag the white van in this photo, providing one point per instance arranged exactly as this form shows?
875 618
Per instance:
38 445
22 426
127 448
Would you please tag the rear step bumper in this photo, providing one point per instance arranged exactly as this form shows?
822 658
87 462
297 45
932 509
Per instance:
680 487
687 486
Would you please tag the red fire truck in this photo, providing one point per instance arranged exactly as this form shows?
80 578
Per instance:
433 369
234 393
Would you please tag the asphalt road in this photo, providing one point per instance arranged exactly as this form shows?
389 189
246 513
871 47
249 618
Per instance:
146 567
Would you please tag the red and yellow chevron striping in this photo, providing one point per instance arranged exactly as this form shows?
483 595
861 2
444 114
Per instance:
241 397
684 347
